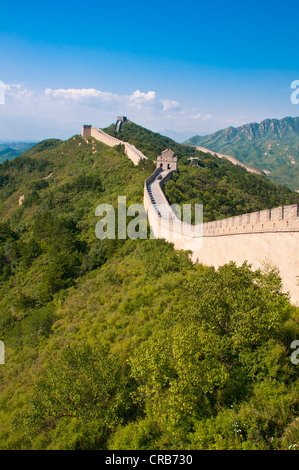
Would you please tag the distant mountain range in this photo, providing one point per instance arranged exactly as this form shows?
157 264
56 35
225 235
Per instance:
271 146
10 150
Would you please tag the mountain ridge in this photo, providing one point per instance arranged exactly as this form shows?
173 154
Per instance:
10 150
271 146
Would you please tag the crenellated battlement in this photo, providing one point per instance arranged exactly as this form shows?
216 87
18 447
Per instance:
279 219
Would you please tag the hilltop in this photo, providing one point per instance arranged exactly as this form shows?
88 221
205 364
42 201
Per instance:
224 189
271 146
125 344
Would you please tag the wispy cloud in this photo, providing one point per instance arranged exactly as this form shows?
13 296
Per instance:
204 117
17 91
77 94
142 97
138 99
170 105
65 109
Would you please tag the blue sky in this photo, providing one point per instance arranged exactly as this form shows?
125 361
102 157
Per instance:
181 68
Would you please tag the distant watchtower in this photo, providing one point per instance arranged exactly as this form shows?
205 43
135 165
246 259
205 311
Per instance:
120 120
167 160
86 130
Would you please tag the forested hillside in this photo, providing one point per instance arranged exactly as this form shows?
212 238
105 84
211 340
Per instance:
271 146
124 344
224 189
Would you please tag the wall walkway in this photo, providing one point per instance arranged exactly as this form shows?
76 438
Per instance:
130 150
269 238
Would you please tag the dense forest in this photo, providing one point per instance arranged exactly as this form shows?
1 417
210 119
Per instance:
125 344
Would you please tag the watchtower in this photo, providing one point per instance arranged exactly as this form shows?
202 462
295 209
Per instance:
119 121
194 160
86 130
167 160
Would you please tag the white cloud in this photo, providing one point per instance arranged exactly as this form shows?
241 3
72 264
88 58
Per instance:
76 94
170 104
62 111
17 91
12 88
150 100
138 100
206 117
80 93
141 97
142 100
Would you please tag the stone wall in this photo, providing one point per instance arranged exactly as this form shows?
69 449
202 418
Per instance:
231 159
105 138
132 152
185 236
270 220
274 249
266 238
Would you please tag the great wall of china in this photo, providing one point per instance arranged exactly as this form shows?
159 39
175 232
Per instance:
228 157
269 238
132 152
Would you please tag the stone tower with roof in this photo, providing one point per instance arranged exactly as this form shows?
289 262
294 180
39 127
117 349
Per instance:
167 160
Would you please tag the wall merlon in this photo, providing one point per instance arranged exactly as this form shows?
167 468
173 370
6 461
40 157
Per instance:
245 219
254 218
277 213
290 212
265 215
